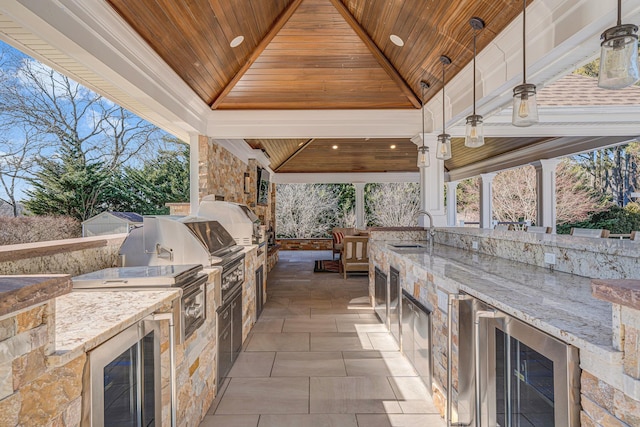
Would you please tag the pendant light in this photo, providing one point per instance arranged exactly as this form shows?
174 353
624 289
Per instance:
443 152
619 55
423 151
474 136
525 107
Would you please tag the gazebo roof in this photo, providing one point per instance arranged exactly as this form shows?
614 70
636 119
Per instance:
311 74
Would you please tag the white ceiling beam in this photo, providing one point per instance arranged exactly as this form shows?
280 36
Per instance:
344 178
257 124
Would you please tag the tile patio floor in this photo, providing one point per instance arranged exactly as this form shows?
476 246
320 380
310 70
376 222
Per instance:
319 357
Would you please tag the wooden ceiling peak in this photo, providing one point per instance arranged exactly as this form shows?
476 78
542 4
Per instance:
384 62
320 59
313 54
277 26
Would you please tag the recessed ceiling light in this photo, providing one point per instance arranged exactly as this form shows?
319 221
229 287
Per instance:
396 40
237 41
393 147
335 147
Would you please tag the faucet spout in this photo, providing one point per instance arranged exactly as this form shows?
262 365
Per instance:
432 230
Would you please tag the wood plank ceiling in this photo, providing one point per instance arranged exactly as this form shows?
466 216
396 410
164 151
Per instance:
316 54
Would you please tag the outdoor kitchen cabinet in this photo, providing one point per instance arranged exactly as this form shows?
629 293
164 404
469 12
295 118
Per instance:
236 327
416 335
225 354
229 335
394 303
381 295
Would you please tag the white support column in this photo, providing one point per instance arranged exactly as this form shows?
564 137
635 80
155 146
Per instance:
359 204
431 184
486 199
452 203
546 193
194 173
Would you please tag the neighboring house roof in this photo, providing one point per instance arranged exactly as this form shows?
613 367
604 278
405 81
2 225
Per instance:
129 216
122 216
577 90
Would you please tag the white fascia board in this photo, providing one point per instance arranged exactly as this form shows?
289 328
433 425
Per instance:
565 121
345 178
561 36
94 35
559 147
257 124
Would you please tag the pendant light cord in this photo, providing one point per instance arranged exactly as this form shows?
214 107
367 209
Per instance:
422 112
524 41
474 71
619 12
444 83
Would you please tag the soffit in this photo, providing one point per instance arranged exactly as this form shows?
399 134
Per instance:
463 156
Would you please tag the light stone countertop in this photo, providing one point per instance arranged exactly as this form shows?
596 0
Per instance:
86 319
557 303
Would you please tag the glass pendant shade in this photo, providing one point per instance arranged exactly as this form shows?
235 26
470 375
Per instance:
525 107
619 57
474 136
443 150
423 157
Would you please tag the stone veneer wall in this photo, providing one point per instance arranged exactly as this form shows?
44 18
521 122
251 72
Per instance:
32 393
71 256
588 257
616 401
273 256
222 174
253 260
178 208
305 244
196 364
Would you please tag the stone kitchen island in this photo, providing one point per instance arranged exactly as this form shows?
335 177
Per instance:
555 302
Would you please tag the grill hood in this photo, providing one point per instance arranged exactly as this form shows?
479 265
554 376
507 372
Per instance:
237 219
165 240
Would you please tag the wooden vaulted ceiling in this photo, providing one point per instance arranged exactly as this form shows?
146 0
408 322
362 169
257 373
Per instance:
318 54
349 155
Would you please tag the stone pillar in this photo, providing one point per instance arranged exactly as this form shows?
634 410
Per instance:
194 172
360 223
452 203
431 184
546 193
486 198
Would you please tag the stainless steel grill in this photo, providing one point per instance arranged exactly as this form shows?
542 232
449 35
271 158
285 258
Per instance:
186 277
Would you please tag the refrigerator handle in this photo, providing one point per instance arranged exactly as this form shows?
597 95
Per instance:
483 314
450 300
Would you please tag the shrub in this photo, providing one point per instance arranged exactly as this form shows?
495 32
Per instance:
616 219
29 229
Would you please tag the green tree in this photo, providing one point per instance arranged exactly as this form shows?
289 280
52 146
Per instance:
67 185
146 190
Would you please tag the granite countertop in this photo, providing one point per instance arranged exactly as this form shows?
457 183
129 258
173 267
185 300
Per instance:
86 319
18 292
625 292
557 303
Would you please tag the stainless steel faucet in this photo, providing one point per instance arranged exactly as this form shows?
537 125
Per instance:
432 230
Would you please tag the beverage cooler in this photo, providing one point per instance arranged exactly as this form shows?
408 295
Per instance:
519 376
